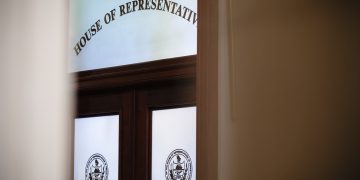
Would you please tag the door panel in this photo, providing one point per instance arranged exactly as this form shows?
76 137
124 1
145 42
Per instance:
134 97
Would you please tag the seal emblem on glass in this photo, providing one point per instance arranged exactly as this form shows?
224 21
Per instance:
178 165
96 168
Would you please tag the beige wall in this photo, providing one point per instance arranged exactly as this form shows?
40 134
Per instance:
289 90
35 121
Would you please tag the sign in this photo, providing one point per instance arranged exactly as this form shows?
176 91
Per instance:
119 32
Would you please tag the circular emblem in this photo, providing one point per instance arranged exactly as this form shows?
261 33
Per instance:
178 166
96 168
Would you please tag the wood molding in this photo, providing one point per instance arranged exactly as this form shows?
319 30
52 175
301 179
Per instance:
137 74
133 91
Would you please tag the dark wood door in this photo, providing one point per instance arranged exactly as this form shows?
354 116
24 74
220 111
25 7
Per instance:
133 91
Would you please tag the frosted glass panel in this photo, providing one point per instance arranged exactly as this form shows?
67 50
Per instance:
96 148
174 144
113 33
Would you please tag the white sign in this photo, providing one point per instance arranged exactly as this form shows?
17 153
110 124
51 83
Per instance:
96 148
174 144
120 32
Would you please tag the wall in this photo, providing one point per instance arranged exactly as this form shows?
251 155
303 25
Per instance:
35 116
289 90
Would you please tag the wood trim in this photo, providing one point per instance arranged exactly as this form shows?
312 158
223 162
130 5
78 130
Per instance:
207 90
134 91
120 103
164 95
137 74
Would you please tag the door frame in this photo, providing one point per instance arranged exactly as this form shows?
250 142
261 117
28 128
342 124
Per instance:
133 91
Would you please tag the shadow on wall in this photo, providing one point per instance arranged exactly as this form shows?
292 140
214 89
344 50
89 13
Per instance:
291 107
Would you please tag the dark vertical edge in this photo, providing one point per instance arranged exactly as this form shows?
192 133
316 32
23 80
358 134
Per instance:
207 91
126 140
150 144
73 148
120 151
141 136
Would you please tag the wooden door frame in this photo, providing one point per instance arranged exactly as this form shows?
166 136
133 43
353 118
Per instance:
207 90
133 91
206 75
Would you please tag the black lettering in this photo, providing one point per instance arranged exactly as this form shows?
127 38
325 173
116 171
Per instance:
135 3
88 37
178 11
153 4
186 10
93 29
112 14
107 18
122 10
159 5
167 6
128 7
82 41
195 18
191 12
174 5
141 5
77 49
98 25
147 4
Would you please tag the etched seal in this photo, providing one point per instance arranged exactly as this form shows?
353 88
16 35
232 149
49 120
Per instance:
178 165
96 168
